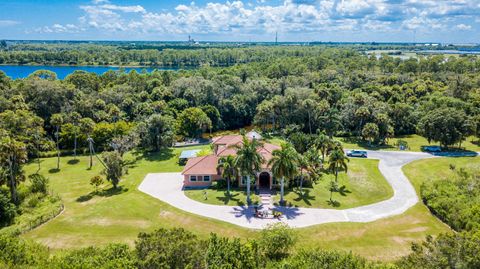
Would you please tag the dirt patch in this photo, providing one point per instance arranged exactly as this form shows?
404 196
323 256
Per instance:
416 230
124 222
165 214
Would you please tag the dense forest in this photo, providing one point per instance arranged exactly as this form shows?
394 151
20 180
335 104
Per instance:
292 91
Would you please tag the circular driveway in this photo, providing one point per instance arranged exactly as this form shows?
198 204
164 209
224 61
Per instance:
167 187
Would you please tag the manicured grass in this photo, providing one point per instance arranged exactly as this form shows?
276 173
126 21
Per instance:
415 142
437 168
115 216
216 196
120 216
364 184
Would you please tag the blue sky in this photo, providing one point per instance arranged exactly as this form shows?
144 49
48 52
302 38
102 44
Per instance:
453 21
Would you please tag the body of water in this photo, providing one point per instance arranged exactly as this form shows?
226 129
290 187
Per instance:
23 71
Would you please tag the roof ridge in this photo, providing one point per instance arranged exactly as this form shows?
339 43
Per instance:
202 157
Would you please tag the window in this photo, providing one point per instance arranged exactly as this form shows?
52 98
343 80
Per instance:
206 178
193 178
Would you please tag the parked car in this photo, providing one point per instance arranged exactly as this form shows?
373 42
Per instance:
432 148
357 153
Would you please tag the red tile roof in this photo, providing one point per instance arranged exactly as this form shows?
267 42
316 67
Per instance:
208 164
205 165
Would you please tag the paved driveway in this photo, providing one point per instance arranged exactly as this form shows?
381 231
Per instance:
167 187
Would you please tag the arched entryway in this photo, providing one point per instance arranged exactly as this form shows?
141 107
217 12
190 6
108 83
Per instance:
264 180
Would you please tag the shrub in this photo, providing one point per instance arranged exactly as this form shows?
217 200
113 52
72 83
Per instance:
175 248
7 209
38 183
276 241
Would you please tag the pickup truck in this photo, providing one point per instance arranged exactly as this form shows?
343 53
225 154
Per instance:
357 153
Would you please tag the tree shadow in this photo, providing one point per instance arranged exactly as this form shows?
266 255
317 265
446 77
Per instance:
102 193
305 196
343 191
364 144
73 161
333 203
226 198
162 155
53 170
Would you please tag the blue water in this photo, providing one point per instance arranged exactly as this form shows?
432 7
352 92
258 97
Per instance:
23 71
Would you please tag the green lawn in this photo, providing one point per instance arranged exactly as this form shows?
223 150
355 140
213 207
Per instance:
437 168
120 216
215 196
364 184
415 142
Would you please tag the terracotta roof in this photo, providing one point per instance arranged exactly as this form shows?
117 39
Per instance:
205 165
227 140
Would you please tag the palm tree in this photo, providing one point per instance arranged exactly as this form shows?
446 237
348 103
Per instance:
336 161
56 121
323 143
248 159
284 163
229 171
303 165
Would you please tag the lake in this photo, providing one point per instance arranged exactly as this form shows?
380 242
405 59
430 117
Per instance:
23 71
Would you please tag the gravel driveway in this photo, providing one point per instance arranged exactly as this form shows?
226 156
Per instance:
167 187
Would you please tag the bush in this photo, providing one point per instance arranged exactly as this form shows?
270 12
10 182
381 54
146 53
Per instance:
112 256
7 209
446 251
317 258
276 241
38 183
175 248
15 252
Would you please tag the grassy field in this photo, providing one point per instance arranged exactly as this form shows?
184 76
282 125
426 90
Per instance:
119 216
437 168
364 183
214 196
415 142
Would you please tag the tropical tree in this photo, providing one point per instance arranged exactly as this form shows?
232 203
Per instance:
248 160
74 118
337 161
192 121
57 121
323 143
284 164
370 132
229 171
87 126
13 154
114 167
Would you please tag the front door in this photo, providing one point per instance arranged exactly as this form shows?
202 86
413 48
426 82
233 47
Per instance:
264 180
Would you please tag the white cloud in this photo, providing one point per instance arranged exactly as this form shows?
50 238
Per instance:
463 26
6 23
291 16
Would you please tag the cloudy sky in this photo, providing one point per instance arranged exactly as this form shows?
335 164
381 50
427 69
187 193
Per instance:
445 21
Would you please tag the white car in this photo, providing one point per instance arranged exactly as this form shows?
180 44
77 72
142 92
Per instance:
357 153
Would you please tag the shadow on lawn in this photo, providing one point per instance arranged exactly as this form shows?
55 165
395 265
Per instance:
305 196
364 144
226 198
102 193
73 161
152 156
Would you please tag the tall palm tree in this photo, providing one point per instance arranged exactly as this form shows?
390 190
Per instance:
323 143
336 161
229 171
284 164
248 159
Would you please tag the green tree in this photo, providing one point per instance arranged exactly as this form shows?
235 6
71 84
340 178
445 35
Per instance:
447 126
370 132
226 164
13 154
323 143
96 181
7 209
114 167
56 121
175 248
284 165
248 160
276 241
192 122
337 160
87 126
158 132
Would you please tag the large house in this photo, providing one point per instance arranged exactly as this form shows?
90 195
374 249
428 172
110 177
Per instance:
202 171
